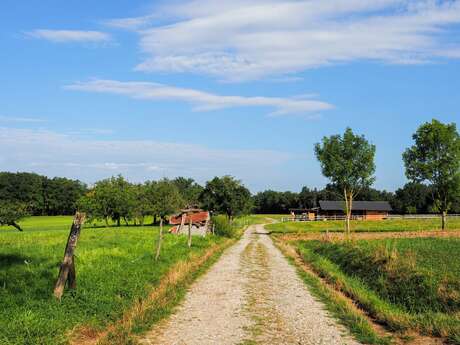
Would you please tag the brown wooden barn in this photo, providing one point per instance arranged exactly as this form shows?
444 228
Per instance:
369 210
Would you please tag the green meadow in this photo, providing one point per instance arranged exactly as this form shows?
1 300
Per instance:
405 284
365 225
115 268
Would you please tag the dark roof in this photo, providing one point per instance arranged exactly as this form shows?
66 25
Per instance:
356 206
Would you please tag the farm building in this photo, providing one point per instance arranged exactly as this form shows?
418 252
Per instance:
359 210
335 209
198 219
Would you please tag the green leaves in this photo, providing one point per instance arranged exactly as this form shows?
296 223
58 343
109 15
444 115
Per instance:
11 213
348 160
227 195
435 159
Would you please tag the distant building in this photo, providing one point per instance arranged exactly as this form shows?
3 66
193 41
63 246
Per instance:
370 210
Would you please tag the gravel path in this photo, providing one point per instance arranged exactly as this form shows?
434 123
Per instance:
250 296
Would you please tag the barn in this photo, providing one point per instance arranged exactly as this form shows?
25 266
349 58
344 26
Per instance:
360 209
333 209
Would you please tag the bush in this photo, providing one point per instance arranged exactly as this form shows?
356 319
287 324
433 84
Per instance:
223 227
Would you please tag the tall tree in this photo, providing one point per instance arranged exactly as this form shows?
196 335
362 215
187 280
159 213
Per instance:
227 195
435 159
189 190
348 162
110 198
167 201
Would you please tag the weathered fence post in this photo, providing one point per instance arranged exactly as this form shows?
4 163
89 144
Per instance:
67 270
190 232
160 238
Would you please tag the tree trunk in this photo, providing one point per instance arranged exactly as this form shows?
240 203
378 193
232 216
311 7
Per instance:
106 222
16 225
118 221
189 243
67 269
347 213
126 221
444 220
160 238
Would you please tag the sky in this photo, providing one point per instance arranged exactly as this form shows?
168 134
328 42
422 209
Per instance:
203 88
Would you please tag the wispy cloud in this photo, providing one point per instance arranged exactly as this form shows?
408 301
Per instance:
201 101
63 36
240 40
21 119
53 153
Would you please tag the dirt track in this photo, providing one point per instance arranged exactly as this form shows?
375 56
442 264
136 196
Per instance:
252 295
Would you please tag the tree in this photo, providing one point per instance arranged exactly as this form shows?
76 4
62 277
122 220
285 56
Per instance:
226 195
435 159
167 200
413 197
110 198
348 161
308 198
189 190
12 213
42 195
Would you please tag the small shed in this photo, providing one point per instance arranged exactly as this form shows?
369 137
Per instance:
198 219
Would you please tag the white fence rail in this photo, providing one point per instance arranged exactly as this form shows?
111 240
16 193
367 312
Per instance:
305 218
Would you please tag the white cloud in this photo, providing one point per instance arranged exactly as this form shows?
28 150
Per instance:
202 101
239 40
56 154
62 36
20 119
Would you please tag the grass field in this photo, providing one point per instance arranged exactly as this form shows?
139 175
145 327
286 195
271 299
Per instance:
364 225
115 268
403 283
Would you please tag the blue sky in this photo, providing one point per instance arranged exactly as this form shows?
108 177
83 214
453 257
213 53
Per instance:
199 88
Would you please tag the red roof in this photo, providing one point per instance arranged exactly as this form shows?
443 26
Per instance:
198 217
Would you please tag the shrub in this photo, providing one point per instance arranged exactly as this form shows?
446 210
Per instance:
223 227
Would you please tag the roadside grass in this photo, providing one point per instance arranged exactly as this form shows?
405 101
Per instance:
364 225
341 307
115 270
405 284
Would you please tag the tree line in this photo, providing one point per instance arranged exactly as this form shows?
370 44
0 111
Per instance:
41 195
432 166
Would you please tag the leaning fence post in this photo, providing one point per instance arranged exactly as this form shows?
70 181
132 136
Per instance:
67 270
190 232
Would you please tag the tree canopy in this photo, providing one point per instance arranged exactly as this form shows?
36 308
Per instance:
226 195
41 195
11 213
348 162
435 159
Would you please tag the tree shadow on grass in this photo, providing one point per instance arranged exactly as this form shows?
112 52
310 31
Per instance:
8 260
26 276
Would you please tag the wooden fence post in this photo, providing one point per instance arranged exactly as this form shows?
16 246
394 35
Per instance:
190 232
160 239
67 270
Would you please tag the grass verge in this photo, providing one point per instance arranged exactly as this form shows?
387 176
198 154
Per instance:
364 225
159 304
383 287
341 307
